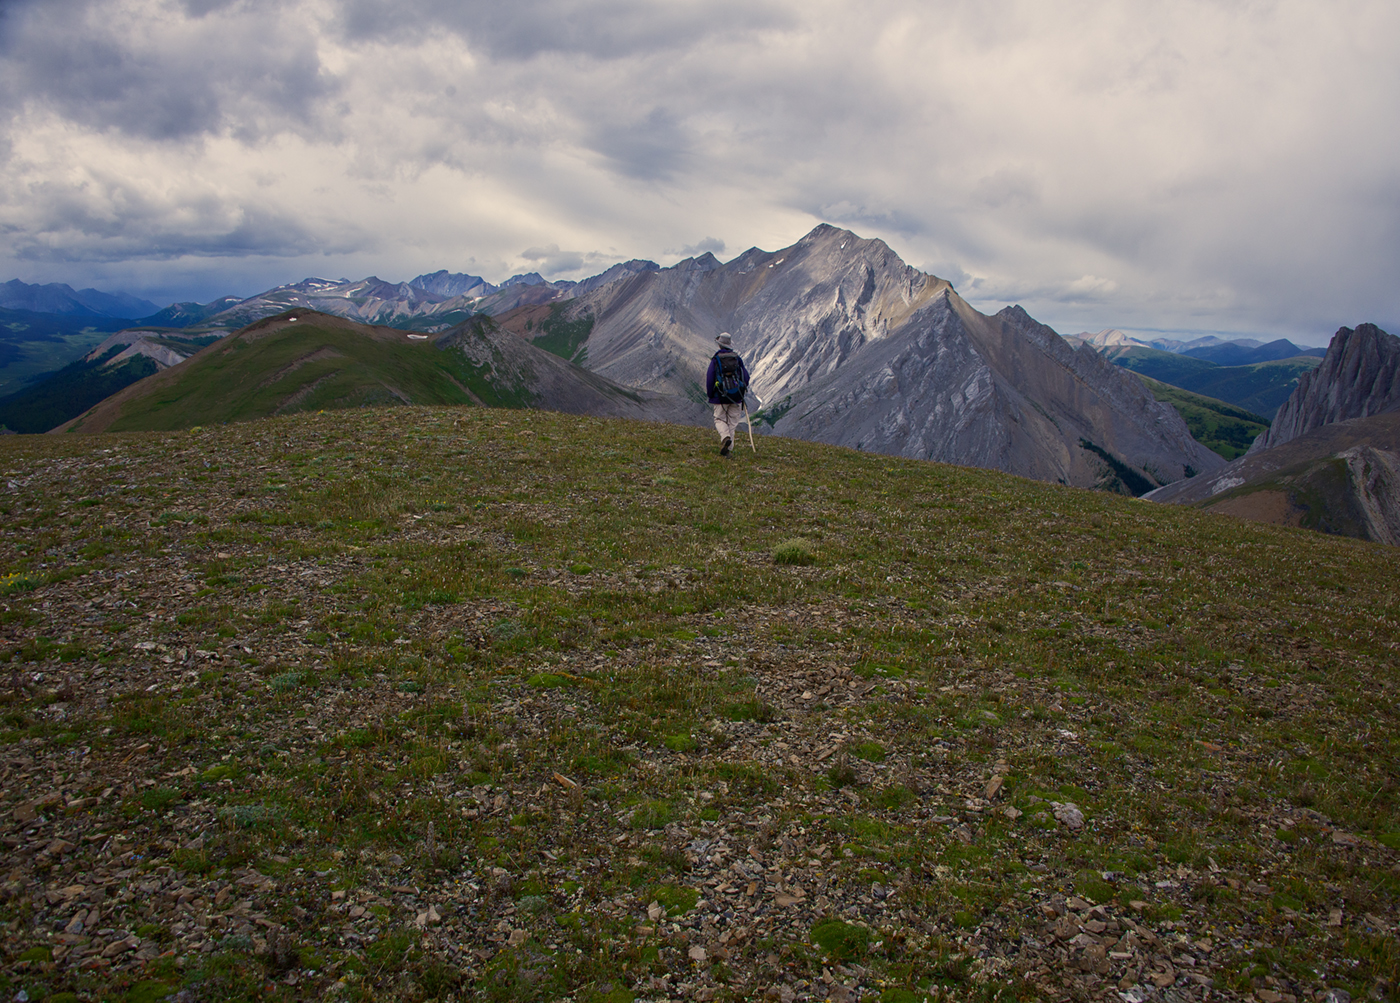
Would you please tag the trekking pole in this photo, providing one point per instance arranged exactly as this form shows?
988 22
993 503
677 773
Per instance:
749 421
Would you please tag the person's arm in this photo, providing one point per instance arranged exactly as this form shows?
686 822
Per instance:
710 380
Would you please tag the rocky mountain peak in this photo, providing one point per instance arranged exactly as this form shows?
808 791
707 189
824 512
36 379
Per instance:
1359 377
850 345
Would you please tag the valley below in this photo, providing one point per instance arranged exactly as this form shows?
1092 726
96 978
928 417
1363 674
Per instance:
423 703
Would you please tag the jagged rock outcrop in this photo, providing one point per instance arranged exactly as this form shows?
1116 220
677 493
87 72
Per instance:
1358 377
849 345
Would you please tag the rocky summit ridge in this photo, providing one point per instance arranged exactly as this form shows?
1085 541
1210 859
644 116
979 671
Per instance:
1359 377
851 346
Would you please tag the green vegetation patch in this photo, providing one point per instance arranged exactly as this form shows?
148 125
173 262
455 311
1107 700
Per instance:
1220 427
840 940
793 551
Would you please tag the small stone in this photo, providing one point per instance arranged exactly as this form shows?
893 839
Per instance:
1070 814
1336 996
1268 996
517 937
117 947
697 953
1334 918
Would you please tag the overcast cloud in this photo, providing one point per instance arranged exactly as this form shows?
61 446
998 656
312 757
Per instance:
1225 165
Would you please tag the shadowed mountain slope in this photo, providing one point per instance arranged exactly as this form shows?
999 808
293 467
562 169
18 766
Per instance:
304 361
851 346
1341 478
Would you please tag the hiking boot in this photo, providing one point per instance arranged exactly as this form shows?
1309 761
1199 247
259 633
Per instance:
724 446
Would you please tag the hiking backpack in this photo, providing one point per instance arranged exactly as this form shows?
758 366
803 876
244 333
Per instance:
729 377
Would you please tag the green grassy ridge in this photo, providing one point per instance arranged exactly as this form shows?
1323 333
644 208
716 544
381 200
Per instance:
1221 427
257 377
612 601
1261 388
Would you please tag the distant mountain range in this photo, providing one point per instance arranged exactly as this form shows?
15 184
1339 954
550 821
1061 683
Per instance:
1221 351
848 344
427 303
1260 387
63 299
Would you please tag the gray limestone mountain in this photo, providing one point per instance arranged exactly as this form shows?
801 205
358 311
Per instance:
851 346
449 284
1331 460
517 368
1358 377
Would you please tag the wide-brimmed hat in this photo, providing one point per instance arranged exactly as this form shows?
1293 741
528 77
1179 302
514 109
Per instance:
725 340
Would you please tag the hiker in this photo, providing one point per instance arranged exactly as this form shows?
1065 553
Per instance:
726 380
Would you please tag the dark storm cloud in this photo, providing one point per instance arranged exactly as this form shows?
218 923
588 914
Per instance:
84 227
648 148
1204 161
601 29
707 245
172 79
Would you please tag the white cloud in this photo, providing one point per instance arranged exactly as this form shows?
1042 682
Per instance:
1201 163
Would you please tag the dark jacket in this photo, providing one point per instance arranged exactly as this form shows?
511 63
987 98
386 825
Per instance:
714 396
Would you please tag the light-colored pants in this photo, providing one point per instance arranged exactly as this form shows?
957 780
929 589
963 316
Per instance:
728 418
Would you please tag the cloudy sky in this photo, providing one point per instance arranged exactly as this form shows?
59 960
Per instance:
1216 165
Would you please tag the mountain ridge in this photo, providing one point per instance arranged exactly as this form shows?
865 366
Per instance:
302 361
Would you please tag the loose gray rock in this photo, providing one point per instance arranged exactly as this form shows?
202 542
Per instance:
1069 813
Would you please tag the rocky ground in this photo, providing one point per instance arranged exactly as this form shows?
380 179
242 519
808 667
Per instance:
446 705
